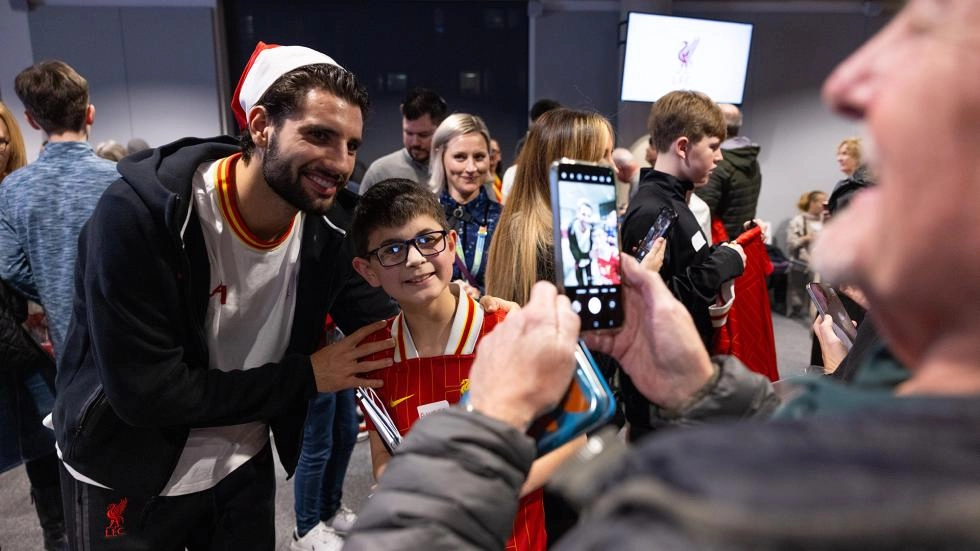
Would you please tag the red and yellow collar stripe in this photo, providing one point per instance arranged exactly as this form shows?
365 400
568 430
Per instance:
462 333
228 203
463 336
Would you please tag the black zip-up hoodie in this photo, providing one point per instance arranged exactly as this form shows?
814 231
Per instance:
134 378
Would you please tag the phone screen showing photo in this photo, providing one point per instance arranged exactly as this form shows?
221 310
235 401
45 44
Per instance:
587 242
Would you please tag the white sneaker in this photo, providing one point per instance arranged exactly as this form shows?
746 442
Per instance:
342 521
320 538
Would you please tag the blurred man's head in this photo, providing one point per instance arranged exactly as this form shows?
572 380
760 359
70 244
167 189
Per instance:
422 111
894 239
494 158
651 153
541 107
733 118
626 165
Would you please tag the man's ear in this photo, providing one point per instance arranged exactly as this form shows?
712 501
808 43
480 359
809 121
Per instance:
90 114
364 267
259 126
680 147
32 122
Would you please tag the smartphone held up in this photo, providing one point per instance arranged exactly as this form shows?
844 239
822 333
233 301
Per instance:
665 218
827 302
586 237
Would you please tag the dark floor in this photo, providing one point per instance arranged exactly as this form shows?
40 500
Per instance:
18 523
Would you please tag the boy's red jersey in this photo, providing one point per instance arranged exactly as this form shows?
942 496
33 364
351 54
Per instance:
415 387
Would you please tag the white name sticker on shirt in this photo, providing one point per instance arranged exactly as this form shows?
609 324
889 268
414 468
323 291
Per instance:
698 241
426 409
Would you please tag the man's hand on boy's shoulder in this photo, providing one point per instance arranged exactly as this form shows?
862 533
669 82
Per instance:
338 366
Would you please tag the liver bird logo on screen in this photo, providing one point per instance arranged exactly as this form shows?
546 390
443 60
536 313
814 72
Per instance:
687 50
684 55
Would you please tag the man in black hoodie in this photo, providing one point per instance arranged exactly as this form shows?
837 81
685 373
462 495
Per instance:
732 192
202 284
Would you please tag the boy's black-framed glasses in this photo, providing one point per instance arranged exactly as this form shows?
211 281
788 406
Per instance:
393 254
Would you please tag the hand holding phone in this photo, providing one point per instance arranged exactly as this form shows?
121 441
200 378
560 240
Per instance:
828 304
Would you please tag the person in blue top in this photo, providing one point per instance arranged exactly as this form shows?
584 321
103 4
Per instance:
44 205
460 161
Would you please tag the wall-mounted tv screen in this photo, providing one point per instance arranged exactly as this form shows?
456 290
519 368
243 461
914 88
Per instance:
666 53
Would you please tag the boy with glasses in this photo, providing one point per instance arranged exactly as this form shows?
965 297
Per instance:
403 244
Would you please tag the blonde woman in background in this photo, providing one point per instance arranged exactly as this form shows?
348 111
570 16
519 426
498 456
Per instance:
849 155
459 163
522 247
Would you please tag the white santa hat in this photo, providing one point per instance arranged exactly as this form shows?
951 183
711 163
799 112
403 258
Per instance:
267 64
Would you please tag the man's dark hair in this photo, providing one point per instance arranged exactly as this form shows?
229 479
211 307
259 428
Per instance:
392 203
54 95
287 94
541 107
422 101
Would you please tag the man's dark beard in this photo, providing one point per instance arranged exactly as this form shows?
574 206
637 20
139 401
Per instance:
417 160
278 174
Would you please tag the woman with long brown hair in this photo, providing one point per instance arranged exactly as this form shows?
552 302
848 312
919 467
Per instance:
522 245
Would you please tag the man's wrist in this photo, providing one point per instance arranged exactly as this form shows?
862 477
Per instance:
694 391
516 417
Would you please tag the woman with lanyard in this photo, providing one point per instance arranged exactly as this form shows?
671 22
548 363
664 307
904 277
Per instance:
460 161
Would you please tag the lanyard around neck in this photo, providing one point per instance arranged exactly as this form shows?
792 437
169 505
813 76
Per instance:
481 238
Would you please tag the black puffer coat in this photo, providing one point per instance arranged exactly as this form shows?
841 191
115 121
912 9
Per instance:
732 192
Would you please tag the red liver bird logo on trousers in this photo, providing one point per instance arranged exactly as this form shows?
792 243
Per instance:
114 512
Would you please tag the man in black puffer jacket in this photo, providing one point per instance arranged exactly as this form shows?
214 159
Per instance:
732 192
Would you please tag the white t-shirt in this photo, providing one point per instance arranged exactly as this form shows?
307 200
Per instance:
248 323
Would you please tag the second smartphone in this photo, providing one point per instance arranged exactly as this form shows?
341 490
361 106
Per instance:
586 237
